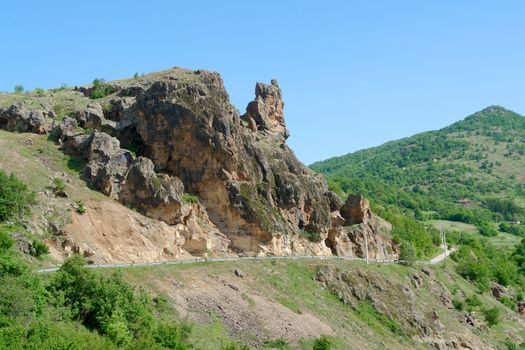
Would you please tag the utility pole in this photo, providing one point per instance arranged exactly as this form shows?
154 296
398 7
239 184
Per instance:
366 245
444 240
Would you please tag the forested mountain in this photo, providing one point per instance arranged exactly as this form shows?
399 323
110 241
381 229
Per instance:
471 171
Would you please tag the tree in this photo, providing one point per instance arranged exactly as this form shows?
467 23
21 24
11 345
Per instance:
19 89
408 253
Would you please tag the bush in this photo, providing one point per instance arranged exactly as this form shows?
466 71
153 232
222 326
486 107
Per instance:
491 316
59 185
472 302
40 248
322 343
508 302
81 209
408 253
100 89
40 92
487 229
279 344
311 236
19 89
458 304
189 198
14 197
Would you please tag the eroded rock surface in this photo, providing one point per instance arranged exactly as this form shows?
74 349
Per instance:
189 138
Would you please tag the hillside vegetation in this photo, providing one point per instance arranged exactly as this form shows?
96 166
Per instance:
471 171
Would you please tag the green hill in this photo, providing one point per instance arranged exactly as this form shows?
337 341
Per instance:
472 171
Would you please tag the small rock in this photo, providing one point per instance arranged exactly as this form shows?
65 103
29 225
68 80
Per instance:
232 286
427 271
521 308
497 291
61 194
417 280
239 273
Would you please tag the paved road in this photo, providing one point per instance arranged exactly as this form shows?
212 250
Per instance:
439 258
433 261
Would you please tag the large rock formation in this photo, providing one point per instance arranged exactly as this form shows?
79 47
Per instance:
18 117
189 137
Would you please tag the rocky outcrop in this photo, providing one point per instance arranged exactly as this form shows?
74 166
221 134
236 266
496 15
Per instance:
158 196
398 303
356 210
189 137
107 163
355 228
18 117
266 111
69 136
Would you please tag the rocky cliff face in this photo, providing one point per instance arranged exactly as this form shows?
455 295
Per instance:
190 139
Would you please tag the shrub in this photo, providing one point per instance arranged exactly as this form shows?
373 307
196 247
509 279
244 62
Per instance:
40 248
491 316
472 302
408 253
486 229
189 198
508 302
311 236
59 185
458 304
322 343
40 92
100 89
19 89
81 209
279 344
15 198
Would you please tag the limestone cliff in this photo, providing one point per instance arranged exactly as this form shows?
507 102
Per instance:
158 137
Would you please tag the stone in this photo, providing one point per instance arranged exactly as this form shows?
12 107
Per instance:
334 201
521 308
356 210
267 111
429 272
497 291
108 163
158 196
239 273
69 136
417 280
19 118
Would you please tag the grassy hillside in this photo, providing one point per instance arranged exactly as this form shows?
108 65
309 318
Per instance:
472 171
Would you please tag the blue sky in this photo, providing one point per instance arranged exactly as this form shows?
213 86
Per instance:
354 74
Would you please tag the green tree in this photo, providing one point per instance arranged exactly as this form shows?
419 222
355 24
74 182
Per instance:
408 253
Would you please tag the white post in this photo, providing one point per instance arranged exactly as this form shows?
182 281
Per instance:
366 246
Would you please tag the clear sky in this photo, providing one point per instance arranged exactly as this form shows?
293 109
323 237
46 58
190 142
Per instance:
354 74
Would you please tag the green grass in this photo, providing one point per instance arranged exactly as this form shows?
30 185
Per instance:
293 284
453 226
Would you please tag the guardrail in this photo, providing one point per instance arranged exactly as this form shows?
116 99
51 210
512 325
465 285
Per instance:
237 258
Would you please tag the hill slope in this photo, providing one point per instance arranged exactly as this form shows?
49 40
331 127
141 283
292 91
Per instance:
471 171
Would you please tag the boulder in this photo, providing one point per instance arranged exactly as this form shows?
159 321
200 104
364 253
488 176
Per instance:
356 210
19 118
69 136
158 196
108 163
